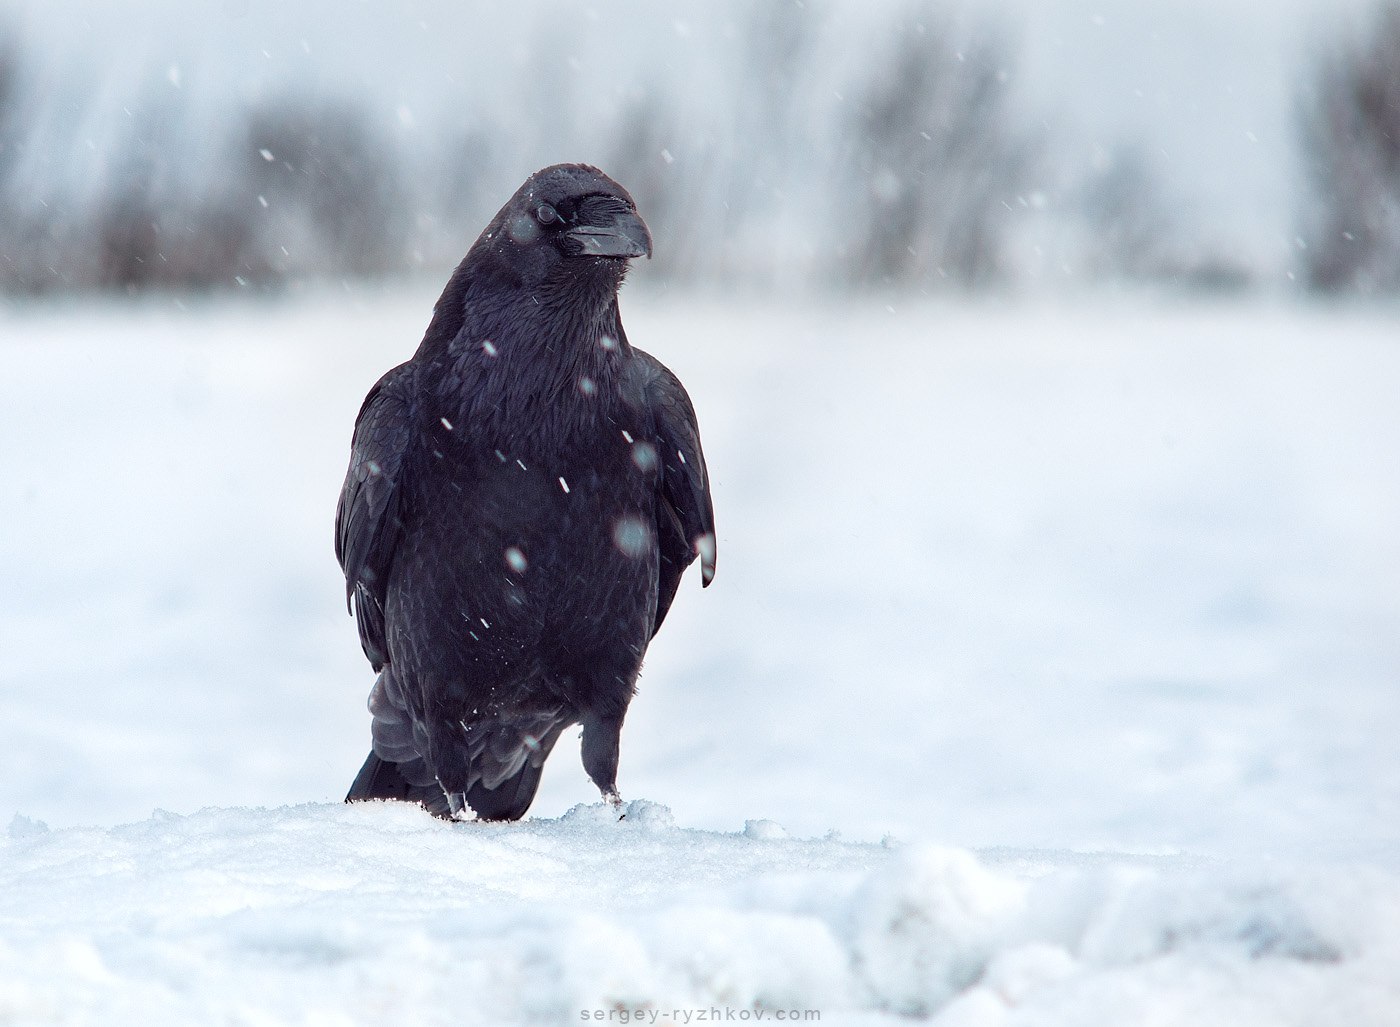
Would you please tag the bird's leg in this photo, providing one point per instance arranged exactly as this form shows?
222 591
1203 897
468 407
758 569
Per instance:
457 806
601 739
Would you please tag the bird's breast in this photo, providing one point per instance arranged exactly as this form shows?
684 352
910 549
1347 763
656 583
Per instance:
516 546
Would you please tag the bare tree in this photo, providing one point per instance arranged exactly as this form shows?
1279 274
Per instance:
328 186
16 235
1350 131
641 159
11 125
167 220
1123 204
717 181
758 161
938 160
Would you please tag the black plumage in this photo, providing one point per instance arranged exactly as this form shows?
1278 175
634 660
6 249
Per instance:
523 496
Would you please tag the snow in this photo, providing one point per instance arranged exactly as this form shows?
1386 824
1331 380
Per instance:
377 913
1077 622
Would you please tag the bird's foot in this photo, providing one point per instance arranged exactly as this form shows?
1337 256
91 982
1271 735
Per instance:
457 807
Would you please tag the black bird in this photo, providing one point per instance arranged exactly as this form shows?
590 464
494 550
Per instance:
523 496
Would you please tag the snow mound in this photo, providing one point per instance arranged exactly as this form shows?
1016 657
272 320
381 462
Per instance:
376 913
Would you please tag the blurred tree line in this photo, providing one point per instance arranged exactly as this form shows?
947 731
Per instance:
1349 124
924 171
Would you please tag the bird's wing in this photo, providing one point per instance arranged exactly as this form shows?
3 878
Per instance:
368 518
686 518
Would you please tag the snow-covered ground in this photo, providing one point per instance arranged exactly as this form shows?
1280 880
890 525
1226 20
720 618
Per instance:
1078 623
328 914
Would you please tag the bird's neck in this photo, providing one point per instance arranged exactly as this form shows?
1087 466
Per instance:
532 364
555 316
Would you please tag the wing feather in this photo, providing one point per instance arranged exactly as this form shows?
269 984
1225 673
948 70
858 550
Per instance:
686 524
368 518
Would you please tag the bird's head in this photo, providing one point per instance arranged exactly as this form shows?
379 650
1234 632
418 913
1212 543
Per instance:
568 218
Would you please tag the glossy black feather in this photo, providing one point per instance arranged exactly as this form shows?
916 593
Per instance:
522 498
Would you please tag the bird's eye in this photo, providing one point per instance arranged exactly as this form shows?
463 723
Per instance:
545 214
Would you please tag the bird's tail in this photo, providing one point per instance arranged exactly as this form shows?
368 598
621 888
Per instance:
510 799
506 759
381 779
395 769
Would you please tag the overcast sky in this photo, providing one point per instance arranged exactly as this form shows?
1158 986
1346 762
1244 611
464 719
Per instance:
1210 84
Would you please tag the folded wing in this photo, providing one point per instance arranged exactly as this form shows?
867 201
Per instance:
686 517
369 517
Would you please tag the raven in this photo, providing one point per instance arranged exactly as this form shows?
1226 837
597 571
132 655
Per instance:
523 496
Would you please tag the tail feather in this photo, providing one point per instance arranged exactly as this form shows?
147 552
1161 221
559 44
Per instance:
380 779
507 760
508 800
495 769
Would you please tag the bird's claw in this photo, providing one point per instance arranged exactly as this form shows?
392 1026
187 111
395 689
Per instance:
457 808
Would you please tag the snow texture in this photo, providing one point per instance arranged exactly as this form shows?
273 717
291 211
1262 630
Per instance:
1090 609
377 913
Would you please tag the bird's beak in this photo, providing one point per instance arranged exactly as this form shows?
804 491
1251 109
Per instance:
605 226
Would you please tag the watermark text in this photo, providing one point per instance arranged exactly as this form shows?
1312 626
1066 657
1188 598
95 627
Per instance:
698 1014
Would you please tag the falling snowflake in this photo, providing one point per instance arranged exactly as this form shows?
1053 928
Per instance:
631 536
644 455
705 547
